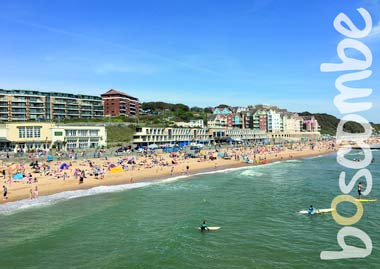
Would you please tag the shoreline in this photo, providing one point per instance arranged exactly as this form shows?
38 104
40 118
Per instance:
150 176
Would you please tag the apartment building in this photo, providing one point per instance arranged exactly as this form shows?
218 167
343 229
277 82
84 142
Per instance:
260 120
24 105
118 103
274 121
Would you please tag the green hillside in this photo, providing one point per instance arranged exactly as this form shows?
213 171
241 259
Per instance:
329 123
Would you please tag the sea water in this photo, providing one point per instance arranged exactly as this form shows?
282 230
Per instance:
147 225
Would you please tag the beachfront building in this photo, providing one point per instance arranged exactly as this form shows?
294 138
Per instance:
146 136
23 105
292 123
184 136
118 103
27 136
191 124
234 120
310 124
246 135
260 120
78 137
274 121
283 137
216 120
247 119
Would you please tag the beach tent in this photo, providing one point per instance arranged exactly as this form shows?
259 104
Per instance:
50 158
153 146
64 166
18 176
117 169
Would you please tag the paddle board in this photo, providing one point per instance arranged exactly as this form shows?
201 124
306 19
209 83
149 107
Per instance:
211 228
366 200
317 211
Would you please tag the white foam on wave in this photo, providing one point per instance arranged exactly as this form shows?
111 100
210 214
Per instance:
293 161
11 207
314 157
251 173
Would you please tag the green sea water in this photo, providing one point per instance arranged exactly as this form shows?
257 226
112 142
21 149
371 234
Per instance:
154 226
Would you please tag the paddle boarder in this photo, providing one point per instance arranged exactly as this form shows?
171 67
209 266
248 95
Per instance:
360 186
311 210
204 226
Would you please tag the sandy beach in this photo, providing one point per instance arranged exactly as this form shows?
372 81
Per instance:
59 176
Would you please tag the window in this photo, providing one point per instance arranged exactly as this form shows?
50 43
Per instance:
83 144
29 132
71 132
82 132
21 132
71 144
58 133
37 132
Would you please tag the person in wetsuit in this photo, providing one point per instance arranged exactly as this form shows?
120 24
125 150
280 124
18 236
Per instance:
360 186
204 226
311 210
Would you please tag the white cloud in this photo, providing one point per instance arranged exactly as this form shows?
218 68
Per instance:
375 33
107 68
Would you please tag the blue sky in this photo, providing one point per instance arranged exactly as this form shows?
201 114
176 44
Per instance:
201 53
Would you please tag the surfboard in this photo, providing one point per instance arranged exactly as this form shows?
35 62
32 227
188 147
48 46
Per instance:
211 228
366 200
317 211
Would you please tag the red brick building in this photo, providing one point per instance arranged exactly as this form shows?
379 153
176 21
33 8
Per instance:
118 103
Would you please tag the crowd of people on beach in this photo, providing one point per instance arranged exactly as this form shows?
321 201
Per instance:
101 167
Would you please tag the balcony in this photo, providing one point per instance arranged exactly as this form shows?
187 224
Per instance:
37 101
59 102
18 100
59 107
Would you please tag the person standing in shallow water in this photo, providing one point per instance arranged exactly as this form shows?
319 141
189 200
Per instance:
36 192
5 193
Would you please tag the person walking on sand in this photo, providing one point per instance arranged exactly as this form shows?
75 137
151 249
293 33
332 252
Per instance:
5 193
3 173
187 169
